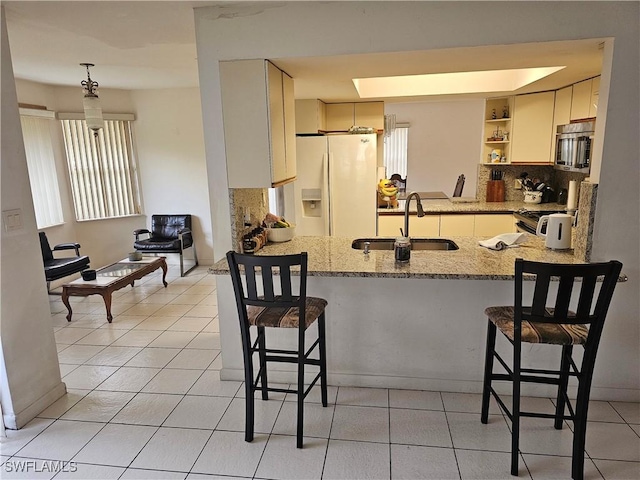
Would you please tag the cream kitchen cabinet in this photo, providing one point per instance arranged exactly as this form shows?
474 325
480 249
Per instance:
457 225
342 116
447 225
595 96
584 102
532 129
561 113
493 224
427 226
562 107
311 116
259 123
581 99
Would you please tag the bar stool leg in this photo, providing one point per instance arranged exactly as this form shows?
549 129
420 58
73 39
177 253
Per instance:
488 371
323 360
515 409
300 395
565 362
262 354
248 385
582 410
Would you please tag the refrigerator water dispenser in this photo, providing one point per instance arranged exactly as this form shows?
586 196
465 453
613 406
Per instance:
311 202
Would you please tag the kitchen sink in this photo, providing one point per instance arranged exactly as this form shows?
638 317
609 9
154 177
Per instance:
382 243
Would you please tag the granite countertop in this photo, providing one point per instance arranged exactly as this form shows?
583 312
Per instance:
470 206
334 257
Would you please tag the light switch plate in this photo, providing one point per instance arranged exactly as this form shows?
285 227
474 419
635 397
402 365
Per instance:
12 220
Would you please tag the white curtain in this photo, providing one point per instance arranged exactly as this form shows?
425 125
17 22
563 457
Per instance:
41 164
395 152
104 179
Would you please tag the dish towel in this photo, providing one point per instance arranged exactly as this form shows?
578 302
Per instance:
504 240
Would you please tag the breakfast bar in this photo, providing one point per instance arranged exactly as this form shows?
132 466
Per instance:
418 325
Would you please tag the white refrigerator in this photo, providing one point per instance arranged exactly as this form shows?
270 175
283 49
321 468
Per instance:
335 188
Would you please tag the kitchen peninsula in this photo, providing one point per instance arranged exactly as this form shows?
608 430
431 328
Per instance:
391 325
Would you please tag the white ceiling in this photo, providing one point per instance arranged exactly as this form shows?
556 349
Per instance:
141 45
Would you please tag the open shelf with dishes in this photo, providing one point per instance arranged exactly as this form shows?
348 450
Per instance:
496 131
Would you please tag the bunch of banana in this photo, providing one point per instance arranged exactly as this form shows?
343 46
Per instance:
275 221
387 188
282 223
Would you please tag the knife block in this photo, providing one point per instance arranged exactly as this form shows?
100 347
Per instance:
495 191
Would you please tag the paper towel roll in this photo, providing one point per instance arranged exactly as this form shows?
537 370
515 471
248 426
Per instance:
572 196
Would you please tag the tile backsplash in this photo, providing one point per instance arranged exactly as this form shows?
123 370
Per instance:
555 178
256 200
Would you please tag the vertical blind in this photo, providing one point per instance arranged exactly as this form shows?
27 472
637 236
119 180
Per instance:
395 152
101 169
41 165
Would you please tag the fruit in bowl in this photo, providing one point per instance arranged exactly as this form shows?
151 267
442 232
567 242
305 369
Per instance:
281 234
278 229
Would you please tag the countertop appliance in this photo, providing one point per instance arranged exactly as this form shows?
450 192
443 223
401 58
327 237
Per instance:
335 188
574 144
558 231
527 220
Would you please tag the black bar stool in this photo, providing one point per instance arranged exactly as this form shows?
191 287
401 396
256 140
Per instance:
534 322
263 306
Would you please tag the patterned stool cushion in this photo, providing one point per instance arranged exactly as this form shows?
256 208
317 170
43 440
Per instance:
535 332
286 317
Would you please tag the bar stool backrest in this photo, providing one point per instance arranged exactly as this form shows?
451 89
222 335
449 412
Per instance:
568 305
261 287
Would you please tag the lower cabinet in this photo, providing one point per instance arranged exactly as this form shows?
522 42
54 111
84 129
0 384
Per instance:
457 225
427 226
492 225
461 225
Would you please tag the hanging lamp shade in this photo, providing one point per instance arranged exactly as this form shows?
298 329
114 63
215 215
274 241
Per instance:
92 112
91 102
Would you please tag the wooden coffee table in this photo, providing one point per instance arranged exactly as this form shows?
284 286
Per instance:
111 278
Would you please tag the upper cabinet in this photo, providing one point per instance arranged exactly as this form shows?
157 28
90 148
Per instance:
595 96
342 116
311 116
562 108
497 130
581 99
259 123
532 128
584 103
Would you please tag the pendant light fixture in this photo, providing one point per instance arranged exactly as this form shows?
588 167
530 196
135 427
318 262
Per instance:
91 102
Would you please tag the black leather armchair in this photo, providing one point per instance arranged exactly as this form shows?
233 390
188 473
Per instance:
56 268
168 234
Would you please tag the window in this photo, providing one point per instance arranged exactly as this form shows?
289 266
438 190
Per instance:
276 201
395 151
41 165
102 169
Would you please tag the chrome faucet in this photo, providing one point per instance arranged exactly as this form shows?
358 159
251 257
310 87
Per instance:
406 211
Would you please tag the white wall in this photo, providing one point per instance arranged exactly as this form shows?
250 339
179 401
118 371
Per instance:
356 27
29 371
438 153
171 158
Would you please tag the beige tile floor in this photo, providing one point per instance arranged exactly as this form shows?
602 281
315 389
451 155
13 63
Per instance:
145 401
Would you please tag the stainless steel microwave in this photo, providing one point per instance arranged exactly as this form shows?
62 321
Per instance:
574 144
